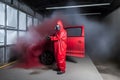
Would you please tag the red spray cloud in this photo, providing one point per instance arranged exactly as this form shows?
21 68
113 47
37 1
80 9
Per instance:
30 46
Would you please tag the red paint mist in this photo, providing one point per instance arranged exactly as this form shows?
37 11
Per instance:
30 46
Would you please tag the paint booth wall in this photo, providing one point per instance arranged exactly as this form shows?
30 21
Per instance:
113 22
15 18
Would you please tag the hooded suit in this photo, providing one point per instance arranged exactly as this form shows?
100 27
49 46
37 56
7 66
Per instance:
60 46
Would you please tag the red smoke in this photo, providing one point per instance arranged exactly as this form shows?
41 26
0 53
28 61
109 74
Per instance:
30 46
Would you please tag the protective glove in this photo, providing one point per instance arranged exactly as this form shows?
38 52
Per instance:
48 37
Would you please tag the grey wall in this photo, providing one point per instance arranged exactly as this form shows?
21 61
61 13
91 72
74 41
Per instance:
113 19
15 18
113 22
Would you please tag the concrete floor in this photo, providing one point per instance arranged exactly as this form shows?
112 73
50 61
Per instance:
77 69
109 71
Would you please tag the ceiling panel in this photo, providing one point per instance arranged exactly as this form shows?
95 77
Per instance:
41 5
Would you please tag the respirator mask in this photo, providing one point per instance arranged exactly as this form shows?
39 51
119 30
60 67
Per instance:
57 27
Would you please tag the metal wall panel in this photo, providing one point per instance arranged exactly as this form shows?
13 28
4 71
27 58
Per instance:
35 22
11 36
22 21
2 14
1 56
21 33
2 37
11 17
14 20
29 21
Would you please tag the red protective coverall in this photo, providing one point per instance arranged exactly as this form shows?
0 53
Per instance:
60 46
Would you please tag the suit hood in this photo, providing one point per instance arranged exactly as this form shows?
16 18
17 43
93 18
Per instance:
61 25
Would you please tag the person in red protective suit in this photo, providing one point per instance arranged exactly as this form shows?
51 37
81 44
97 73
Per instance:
60 46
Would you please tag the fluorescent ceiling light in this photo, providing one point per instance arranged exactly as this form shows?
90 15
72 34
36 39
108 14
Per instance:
90 14
78 6
83 14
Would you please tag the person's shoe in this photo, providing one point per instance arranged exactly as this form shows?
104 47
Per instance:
60 72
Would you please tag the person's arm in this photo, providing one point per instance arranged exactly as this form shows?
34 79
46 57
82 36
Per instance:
54 38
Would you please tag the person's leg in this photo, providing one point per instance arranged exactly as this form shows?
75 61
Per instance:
61 64
56 68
